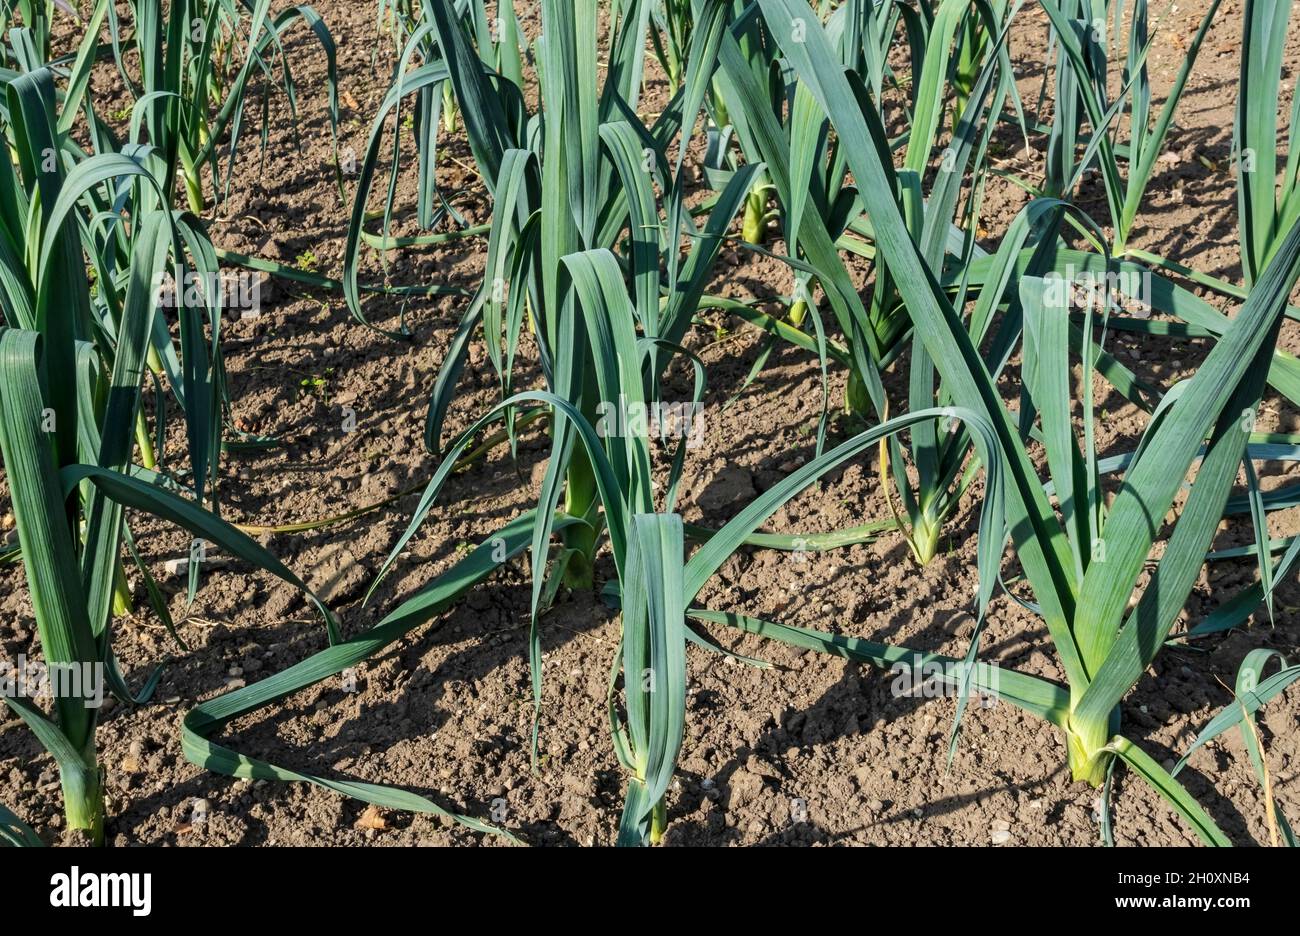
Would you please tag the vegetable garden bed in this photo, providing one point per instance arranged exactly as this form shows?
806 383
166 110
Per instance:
757 689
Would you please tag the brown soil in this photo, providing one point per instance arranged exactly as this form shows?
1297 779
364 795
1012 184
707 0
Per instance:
447 710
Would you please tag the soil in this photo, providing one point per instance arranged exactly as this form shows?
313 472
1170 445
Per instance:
814 749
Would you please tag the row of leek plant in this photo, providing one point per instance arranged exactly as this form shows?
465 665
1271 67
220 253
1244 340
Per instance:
75 349
1082 567
72 362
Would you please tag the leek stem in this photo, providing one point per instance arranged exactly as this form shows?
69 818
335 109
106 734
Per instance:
580 501
755 207
147 456
83 797
122 603
448 108
194 191
658 822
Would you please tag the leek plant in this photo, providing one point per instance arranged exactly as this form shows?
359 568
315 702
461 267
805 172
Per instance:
655 581
1086 34
579 248
825 213
805 171
935 454
1266 211
34 17
563 180
189 102
777 122
498 41
671 38
194 85
583 181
